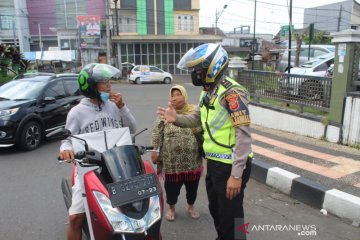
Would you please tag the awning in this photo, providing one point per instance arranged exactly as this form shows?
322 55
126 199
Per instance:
65 55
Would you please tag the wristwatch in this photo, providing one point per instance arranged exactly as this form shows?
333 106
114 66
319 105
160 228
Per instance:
237 178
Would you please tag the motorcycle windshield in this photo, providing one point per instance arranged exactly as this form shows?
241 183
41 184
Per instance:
123 162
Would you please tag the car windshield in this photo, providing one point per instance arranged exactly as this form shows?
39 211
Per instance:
331 49
20 89
312 63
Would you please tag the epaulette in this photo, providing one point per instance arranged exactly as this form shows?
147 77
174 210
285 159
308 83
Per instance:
226 83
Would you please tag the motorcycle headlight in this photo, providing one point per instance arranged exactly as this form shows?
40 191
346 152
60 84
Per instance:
124 224
118 221
8 112
154 210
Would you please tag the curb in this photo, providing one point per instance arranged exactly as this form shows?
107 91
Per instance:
336 202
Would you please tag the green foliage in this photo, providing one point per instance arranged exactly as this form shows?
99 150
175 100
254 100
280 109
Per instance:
319 38
295 107
6 79
11 57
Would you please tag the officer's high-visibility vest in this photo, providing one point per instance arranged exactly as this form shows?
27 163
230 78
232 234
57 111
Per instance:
219 124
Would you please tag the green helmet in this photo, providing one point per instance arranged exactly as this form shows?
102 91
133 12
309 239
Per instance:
93 73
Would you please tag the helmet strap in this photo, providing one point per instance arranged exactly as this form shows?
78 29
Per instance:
198 77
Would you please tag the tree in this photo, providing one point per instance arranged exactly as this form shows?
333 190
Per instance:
299 37
319 38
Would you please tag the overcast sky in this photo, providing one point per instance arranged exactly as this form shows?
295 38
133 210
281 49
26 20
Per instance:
270 14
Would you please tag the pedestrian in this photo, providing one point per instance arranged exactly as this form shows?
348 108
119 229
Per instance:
224 115
101 109
179 161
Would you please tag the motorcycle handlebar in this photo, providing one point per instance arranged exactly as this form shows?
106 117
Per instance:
78 155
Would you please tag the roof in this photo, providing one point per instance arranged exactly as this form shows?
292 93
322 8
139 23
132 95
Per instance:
167 38
211 31
43 76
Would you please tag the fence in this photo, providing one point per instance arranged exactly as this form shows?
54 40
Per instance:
304 91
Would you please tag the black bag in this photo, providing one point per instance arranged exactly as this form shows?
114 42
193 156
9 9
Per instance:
200 140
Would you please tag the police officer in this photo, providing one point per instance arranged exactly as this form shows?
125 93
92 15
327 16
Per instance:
224 115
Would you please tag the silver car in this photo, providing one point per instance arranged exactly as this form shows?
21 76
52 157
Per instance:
144 73
308 80
315 51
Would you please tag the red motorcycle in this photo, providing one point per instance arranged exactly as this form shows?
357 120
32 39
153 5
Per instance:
122 196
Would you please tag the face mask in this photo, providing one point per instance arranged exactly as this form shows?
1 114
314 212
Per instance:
104 96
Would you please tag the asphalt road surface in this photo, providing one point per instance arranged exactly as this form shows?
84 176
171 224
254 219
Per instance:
32 208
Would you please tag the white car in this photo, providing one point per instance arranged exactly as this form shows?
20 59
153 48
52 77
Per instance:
316 66
144 73
309 87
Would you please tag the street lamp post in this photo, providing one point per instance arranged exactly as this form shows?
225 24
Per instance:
40 39
217 16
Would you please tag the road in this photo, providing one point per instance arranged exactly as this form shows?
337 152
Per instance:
32 208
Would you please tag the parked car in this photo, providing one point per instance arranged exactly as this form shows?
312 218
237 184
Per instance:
33 104
315 67
143 73
309 87
330 71
315 51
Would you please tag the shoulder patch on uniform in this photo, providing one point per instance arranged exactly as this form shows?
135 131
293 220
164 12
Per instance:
226 83
238 110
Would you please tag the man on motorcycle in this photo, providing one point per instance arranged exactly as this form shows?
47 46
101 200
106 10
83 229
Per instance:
101 109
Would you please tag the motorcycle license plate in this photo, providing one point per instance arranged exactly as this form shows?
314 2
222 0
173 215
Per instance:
133 189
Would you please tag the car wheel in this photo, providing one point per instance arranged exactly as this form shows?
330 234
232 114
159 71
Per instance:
167 80
311 90
138 81
30 136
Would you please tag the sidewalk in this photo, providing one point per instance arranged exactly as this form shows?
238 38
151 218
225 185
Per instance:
321 174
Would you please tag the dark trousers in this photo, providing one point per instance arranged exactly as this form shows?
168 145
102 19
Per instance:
223 210
173 188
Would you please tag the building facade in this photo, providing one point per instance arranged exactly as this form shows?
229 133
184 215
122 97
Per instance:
54 22
334 17
155 32
14 29
141 32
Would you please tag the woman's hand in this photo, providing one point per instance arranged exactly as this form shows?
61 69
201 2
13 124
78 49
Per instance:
154 157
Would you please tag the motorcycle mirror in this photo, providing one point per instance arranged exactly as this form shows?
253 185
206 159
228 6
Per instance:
60 133
133 138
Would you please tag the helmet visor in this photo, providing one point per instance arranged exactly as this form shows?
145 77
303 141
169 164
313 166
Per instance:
185 59
196 56
102 72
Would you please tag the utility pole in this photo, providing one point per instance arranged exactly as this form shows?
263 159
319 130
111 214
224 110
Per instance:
290 32
117 17
339 19
108 54
14 35
40 40
254 39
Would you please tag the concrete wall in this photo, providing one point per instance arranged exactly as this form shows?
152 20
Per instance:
307 125
285 121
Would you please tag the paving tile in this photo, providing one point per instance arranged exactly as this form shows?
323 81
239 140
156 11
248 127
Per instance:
324 171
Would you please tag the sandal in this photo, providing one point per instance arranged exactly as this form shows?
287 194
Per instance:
193 213
170 215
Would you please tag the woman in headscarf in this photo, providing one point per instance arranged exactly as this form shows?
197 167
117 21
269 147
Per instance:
178 162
